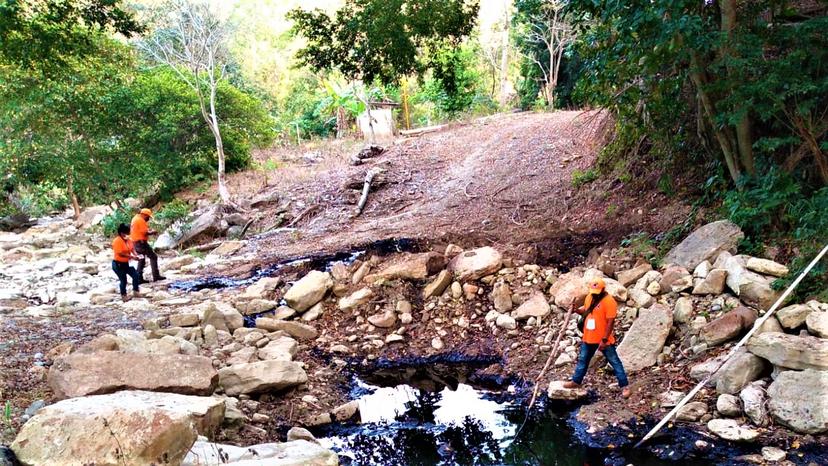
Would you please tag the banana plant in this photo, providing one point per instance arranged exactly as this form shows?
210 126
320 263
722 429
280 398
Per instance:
342 103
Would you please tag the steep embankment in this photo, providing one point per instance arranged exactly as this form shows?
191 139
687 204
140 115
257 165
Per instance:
503 180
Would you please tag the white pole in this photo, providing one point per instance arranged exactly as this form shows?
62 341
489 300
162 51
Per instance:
733 350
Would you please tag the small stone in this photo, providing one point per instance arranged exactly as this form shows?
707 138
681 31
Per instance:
692 411
728 405
437 343
300 433
506 321
406 318
384 320
773 454
260 418
557 391
729 429
654 288
403 307
456 290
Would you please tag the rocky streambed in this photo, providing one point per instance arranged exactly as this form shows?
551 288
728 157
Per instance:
399 353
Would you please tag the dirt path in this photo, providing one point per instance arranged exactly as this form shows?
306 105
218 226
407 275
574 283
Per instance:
504 180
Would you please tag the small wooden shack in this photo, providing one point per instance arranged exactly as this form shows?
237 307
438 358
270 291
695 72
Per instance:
377 123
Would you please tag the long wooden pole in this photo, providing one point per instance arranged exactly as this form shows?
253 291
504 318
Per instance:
756 326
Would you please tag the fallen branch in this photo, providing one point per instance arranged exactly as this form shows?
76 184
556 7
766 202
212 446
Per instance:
301 215
423 130
366 188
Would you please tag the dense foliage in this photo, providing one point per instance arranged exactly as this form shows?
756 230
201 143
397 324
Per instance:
99 126
382 39
733 87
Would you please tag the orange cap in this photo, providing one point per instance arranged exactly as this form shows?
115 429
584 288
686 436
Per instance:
146 212
596 286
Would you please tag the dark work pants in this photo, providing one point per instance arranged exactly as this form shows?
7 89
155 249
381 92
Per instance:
143 248
585 355
122 269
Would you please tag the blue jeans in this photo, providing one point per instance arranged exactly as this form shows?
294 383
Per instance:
585 355
122 269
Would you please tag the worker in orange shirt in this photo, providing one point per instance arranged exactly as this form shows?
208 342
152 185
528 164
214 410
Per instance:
140 233
599 311
122 252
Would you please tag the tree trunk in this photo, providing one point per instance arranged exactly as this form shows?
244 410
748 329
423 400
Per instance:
70 187
744 140
725 142
807 134
224 193
504 56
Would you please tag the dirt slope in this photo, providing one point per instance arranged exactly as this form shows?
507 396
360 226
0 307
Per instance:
504 180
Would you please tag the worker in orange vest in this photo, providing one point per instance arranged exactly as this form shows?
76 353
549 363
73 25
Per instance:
599 311
122 252
140 233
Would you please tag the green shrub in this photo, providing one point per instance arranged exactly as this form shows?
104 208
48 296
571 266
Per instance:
582 177
109 224
36 200
170 213
775 207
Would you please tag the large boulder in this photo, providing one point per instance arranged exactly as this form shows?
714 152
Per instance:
676 279
256 306
292 453
535 306
712 283
752 288
645 339
356 299
791 351
128 427
309 290
793 316
476 264
110 371
740 370
754 400
295 329
279 349
92 216
557 391
728 326
817 323
798 400
705 244
628 277
411 267
207 222
438 285
262 376
570 288
766 267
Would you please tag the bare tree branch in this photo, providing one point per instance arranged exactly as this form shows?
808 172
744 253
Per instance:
191 39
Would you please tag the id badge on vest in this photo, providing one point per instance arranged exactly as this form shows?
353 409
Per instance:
590 324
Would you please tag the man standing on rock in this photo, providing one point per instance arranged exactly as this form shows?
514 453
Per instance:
599 311
140 233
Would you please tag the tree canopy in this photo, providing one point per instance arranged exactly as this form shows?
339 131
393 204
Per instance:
381 39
